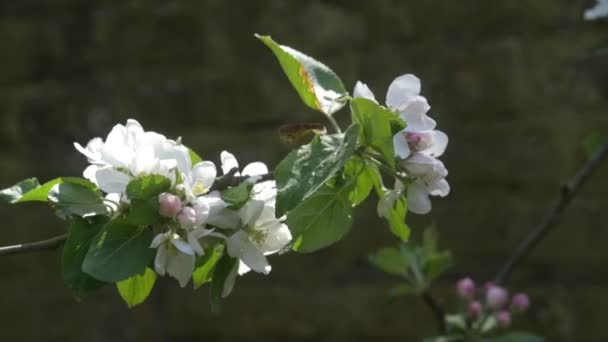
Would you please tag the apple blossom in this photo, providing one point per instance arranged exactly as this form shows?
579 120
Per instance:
170 205
504 318
496 297
520 302
474 309
466 288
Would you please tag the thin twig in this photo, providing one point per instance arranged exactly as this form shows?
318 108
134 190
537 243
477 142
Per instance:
569 190
57 241
438 311
44 245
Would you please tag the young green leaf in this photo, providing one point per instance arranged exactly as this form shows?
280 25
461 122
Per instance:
40 194
223 281
206 265
148 186
134 290
238 195
307 169
396 214
436 264
143 212
81 233
194 157
321 220
376 127
119 251
76 199
16 192
366 177
391 261
318 86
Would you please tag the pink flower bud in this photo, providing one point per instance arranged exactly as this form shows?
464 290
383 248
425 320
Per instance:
187 217
496 297
170 204
466 288
520 302
488 285
474 309
504 318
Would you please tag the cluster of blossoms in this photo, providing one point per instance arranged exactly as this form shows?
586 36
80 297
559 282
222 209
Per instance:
417 147
193 217
492 300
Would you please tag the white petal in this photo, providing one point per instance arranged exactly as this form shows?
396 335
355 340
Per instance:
180 266
439 188
230 280
598 11
254 259
229 162
133 131
250 212
202 211
219 215
235 243
158 239
402 90
439 143
203 177
194 244
92 151
414 115
265 191
255 169
160 261
145 161
361 90
181 245
277 237
90 171
243 269
418 200
111 180
402 149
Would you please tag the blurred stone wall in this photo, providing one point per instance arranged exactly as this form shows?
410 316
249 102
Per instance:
515 84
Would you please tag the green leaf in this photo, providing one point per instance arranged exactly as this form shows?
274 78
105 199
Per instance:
238 195
306 170
591 143
76 199
148 186
391 261
40 194
318 86
16 192
194 157
206 265
224 269
119 251
396 220
144 212
134 290
366 177
81 233
516 337
436 264
429 240
321 220
377 127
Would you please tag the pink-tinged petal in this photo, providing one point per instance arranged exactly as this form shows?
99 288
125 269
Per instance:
439 142
363 91
401 91
401 146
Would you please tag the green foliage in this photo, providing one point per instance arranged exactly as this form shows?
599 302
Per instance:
16 192
396 214
321 220
307 169
224 269
377 127
238 195
76 199
206 265
194 157
318 86
119 251
366 177
390 260
134 290
148 186
144 212
591 143
40 194
81 234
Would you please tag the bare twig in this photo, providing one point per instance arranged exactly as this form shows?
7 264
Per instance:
569 190
438 311
55 242
44 245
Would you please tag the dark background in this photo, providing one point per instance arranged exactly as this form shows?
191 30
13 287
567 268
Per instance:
515 84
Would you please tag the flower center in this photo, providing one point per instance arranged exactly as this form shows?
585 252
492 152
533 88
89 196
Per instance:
199 188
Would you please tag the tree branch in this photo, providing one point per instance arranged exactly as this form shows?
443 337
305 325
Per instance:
222 183
44 245
569 190
437 310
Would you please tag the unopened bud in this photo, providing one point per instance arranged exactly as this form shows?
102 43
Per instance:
466 288
497 297
504 318
474 309
520 302
187 217
170 205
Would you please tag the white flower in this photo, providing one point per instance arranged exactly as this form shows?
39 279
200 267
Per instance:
432 143
198 180
129 152
263 191
429 179
387 202
600 10
176 256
